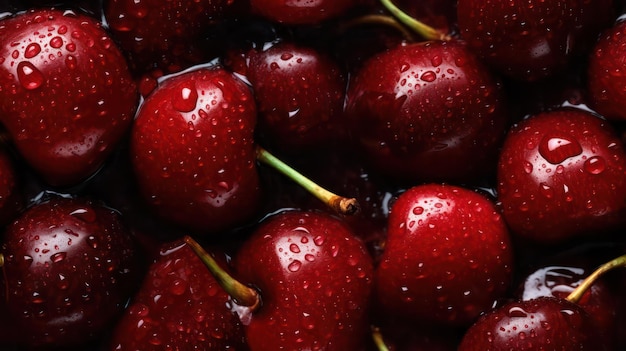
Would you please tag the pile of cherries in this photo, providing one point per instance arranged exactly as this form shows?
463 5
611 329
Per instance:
312 175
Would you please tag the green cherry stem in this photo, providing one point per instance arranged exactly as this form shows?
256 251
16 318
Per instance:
377 336
242 294
418 27
340 204
577 294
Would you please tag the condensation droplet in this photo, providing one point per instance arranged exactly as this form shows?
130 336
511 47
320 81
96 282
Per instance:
186 101
58 257
29 76
595 165
32 50
294 266
556 149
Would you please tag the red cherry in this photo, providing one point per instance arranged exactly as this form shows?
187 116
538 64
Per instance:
69 268
164 35
180 306
427 111
605 74
67 94
560 175
534 39
300 94
193 152
448 256
315 278
544 323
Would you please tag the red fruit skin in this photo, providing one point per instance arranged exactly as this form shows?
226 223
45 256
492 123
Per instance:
530 40
427 111
300 94
69 269
163 35
193 152
315 279
605 75
545 323
67 97
180 306
599 301
300 12
447 258
561 174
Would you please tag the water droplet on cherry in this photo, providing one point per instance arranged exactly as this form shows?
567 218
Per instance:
29 76
556 149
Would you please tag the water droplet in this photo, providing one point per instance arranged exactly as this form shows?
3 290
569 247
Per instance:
84 214
294 248
556 149
294 266
436 60
58 257
595 165
528 167
187 99
517 312
56 42
428 76
309 258
319 240
70 61
29 76
32 50
546 190
178 287
418 210
286 56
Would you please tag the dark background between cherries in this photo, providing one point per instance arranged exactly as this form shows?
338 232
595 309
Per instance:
333 165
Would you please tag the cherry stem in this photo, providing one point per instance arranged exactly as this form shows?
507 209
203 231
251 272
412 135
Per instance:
577 294
378 19
418 27
242 294
340 204
377 336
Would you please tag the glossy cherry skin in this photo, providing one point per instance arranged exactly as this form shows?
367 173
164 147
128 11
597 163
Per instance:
315 279
447 258
561 174
67 94
163 35
544 323
535 39
300 12
300 94
605 76
601 301
193 152
427 111
69 269
180 306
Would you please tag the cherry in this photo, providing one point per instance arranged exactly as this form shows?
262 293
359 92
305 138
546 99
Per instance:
167 36
192 150
561 175
605 77
427 111
535 39
541 323
312 282
179 306
447 258
68 269
67 95
300 94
